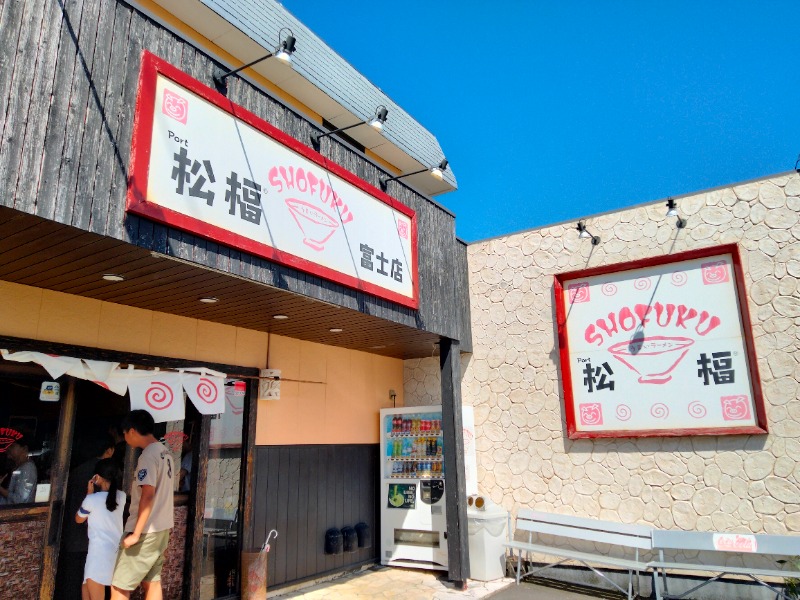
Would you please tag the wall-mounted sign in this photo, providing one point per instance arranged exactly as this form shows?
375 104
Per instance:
50 391
402 495
269 384
205 165
659 347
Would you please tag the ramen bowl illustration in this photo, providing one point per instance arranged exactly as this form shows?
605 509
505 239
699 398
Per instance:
317 227
653 358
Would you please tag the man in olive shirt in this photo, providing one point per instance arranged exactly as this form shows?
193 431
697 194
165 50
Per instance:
144 543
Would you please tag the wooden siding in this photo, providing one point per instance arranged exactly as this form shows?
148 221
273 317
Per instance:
302 491
462 296
69 72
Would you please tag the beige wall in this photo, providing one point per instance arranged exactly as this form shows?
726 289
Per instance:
728 483
329 395
38 314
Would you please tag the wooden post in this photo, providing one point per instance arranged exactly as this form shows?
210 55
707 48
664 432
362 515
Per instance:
246 497
455 486
193 558
58 493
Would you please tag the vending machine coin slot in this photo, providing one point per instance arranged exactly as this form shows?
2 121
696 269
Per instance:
432 491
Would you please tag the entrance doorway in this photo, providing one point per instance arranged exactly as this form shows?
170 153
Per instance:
97 434
66 423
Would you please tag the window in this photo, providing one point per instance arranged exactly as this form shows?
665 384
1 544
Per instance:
221 522
28 428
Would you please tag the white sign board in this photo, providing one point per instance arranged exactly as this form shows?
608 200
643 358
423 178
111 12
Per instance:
203 164
657 350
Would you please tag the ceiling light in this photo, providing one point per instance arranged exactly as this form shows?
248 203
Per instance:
336 330
280 317
113 277
209 300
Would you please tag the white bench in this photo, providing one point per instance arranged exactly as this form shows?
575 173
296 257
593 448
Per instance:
720 546
532 525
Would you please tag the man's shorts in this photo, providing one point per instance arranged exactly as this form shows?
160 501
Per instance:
140 562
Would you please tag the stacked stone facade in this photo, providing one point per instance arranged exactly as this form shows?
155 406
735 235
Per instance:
20 559
724 483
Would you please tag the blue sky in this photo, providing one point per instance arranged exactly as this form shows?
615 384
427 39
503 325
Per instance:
554 111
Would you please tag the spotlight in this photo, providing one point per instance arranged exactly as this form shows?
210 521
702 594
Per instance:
376 122
585 235
283 52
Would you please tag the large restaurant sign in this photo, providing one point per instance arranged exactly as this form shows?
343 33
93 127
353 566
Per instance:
205 165
660 347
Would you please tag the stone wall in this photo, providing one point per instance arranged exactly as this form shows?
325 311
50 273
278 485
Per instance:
726 483
174 564
21 559
222 492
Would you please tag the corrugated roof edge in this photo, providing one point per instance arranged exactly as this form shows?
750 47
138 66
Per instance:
419 143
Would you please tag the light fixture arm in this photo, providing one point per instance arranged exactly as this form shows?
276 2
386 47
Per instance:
441 167
220 75
584 233
388 179
318 136
377 121
287 46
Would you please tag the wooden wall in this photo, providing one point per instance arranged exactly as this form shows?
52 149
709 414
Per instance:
68 82
302 491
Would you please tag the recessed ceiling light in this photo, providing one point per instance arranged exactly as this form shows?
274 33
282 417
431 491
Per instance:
113 277
336 330
376 347
280 317
209 300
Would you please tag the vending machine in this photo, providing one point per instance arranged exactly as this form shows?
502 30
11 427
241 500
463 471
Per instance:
413 510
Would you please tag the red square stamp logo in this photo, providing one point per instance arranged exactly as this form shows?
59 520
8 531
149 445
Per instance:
591 414
715 272
735 408
578 292
175 106
402 229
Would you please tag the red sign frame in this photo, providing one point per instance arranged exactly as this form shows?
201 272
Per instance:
566 370
137 203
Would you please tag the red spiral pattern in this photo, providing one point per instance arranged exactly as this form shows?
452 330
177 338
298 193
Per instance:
609 289
623 412
642 284
660 411
159 396
679 278
697 410
207 391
